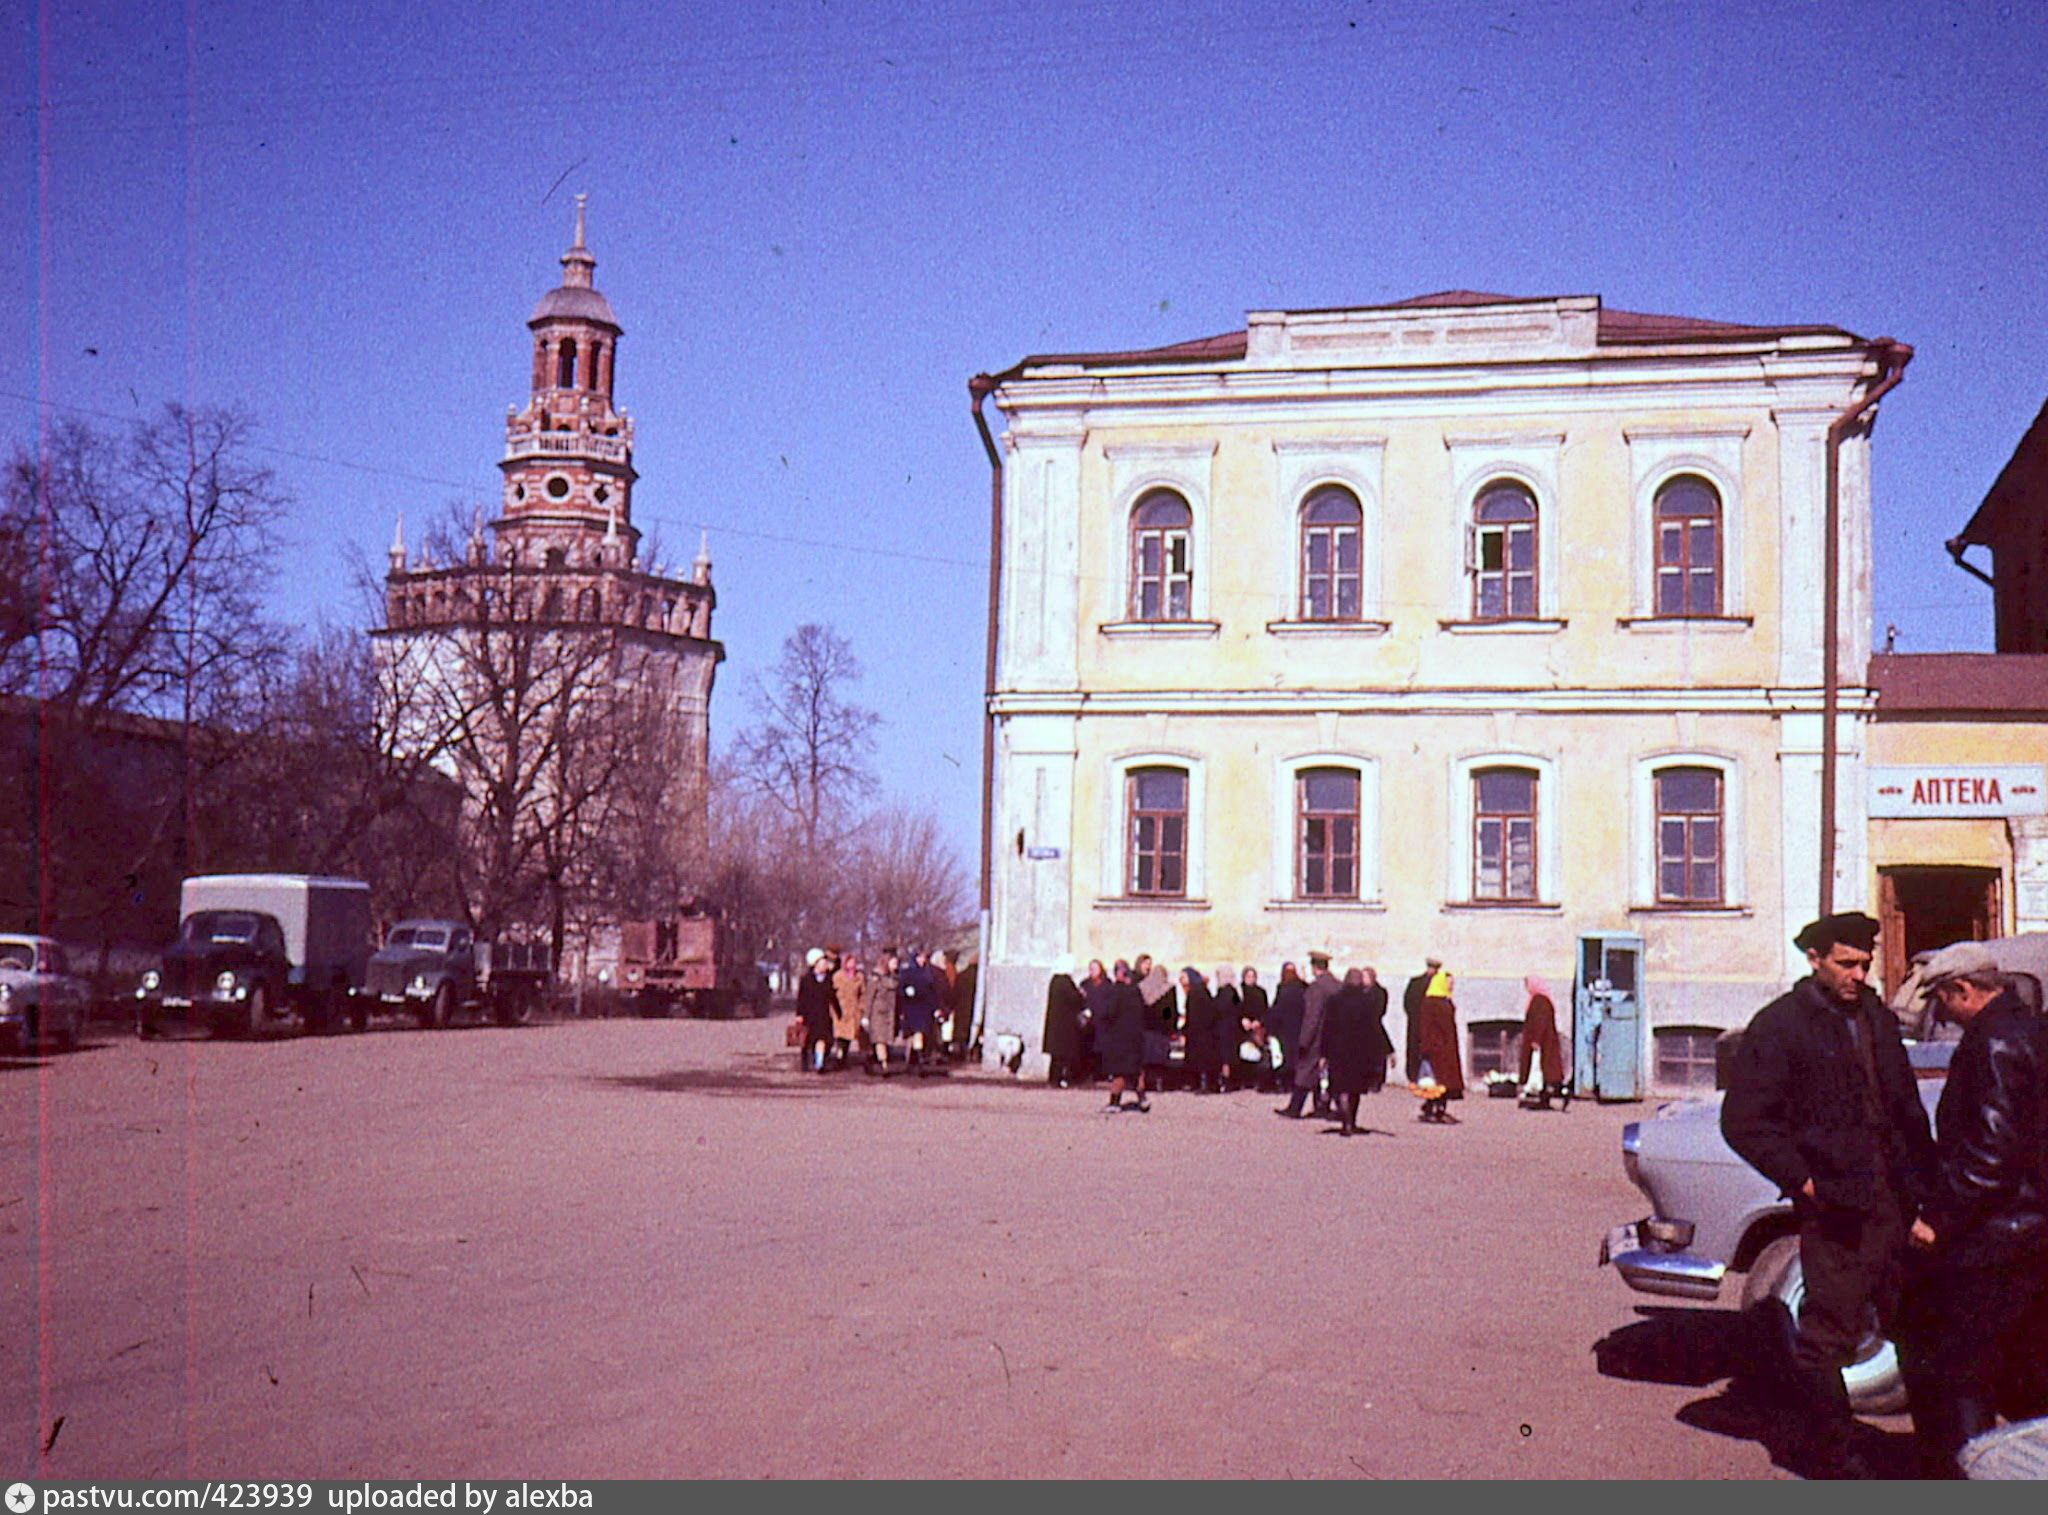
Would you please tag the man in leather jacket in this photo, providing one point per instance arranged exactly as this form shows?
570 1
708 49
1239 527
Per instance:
1822 1101
1985 1225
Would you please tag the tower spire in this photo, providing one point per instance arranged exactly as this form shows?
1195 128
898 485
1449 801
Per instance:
577 262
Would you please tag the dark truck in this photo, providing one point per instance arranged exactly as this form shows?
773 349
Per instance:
434 969
254 948
688 963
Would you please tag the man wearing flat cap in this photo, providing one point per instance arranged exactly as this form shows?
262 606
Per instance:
1977 1305
1822 1102
1315 1015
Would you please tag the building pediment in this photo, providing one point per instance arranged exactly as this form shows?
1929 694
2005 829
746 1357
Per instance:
1512 330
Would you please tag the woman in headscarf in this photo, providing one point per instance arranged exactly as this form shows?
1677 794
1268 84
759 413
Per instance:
1355 1044
1229 1025
1439 1042
1198 1032
1162 1014
1540 1046
1064 1003
1254 1010
1096 990
1290 1004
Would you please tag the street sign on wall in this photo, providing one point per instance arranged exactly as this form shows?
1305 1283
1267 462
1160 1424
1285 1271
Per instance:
1951 790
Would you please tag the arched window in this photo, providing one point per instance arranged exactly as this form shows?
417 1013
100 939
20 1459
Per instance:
1504 553
1688 548
1331 522
551 604
1326 833
565 364
1504 834
1162 563
586 605
1689 836
1156 804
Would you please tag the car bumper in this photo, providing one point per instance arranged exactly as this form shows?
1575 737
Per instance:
1652 1267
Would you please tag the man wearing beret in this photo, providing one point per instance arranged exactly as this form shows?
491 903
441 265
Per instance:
1823 1103
1977 1305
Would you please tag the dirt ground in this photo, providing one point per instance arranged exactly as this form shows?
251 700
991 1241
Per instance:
654 1249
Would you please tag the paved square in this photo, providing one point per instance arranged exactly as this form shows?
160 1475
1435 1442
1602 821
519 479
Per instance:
655 1249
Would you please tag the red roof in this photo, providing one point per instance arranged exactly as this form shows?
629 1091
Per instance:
1618 328
1960 683
2021 486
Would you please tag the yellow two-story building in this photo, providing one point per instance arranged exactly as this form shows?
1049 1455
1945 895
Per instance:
1473 627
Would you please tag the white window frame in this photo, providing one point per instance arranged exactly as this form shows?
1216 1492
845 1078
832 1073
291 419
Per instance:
1643 795
1286 780
1136 469
1114 882
1477 463
1301 467
1656 457
1549 833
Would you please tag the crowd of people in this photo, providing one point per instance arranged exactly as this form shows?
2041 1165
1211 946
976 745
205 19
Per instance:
913 1011
1315 1037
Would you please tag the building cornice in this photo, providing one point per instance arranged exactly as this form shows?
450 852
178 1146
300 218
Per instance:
1795 382
1752 700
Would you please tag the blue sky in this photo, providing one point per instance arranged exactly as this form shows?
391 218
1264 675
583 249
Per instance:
817 220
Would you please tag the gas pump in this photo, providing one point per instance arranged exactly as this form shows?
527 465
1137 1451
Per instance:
1607 1017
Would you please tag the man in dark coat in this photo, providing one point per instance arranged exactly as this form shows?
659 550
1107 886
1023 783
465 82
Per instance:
1411 1007
1063 1006
1984 1227
1822 1102
1290 1001
1315 1009
1120 1041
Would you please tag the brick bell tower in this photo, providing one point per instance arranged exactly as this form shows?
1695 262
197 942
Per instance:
568 461
564 555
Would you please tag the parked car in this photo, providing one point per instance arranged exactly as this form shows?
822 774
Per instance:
42 1004
1711 1214
432 969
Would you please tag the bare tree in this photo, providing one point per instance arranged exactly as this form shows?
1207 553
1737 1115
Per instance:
132 647
807 751
557 737
907 884
145 561
317 785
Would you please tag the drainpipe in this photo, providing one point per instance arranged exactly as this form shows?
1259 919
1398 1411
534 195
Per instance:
979 388
1895 356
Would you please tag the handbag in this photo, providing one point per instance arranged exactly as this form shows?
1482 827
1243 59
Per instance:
793 1033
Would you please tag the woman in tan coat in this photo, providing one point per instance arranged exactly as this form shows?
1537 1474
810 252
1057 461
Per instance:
849 990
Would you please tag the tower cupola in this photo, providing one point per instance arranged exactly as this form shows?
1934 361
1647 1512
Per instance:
568 461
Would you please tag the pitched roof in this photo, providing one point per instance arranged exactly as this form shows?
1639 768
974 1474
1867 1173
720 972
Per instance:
1960 683
2022 482
1618 328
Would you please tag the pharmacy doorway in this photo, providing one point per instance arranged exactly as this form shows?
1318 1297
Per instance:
1920 909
